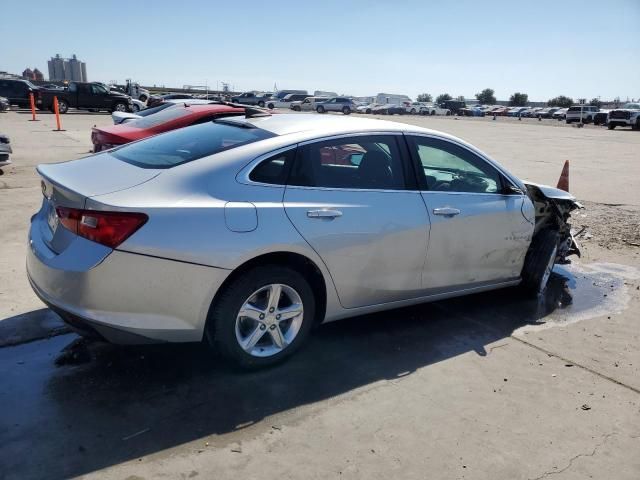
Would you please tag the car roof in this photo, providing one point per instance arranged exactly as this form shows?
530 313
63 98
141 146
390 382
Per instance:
287 123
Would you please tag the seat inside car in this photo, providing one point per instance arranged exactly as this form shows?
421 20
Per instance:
374 171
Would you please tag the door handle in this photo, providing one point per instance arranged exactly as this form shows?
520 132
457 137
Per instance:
446 211
324 213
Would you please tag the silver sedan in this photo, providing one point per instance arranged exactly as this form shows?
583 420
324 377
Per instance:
250 230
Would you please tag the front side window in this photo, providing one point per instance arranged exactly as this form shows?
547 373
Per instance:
98 90
363 162
449 167
187 144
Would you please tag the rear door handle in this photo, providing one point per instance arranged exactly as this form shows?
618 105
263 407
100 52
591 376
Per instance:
324 213
446 211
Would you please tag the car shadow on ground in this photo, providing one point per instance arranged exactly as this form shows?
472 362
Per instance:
103 405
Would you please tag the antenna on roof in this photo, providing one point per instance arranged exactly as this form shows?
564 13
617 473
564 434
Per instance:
250 112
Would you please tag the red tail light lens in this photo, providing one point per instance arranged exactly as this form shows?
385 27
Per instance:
107 228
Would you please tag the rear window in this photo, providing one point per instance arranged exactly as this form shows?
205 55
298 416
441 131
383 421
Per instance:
164 115
188 144
573 109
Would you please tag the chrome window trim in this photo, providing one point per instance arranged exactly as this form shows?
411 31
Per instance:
244 174
514 180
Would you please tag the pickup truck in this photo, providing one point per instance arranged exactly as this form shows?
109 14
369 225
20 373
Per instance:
85 96
250 98
627 116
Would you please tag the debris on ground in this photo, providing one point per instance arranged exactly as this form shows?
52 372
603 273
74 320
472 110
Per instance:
76 353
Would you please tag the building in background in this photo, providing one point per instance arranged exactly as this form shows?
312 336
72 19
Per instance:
34 74
67 69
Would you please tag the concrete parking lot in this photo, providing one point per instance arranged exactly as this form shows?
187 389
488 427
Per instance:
496 385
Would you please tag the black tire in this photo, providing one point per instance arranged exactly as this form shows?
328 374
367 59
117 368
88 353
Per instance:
611 126
270 106
413 111
261 104
122 105
448 113
637 125
368 110
296 108
568 121
63 106
346 110
542 252
221 322
433 112
320 109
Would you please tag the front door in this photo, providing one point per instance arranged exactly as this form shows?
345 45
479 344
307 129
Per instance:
479 234
349 198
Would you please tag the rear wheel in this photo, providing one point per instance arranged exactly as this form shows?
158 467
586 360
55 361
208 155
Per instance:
611 126
320 109
270 106
346 110
262 317
296 108
413 111
261 104
636 126
538 264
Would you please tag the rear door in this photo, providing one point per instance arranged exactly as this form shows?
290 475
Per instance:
353 199
478 232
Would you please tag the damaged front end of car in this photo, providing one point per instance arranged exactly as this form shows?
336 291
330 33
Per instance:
553 208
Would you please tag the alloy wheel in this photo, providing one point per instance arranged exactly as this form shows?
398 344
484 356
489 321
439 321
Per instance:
269 320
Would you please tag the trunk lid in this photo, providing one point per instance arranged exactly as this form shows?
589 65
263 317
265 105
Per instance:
69 184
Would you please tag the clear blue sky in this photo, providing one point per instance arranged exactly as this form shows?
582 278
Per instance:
580 48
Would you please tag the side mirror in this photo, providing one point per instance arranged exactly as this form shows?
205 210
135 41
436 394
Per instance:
510 189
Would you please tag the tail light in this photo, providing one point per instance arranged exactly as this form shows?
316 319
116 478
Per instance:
107 228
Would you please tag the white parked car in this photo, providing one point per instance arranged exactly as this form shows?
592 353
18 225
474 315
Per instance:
431 109
309 104
286 101
580 112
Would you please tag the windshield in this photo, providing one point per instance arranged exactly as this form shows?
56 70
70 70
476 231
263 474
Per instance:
188 144
150 111
632 106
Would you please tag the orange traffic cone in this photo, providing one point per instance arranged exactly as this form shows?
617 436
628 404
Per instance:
563 183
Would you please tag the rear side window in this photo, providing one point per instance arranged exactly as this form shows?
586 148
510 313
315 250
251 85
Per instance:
274 170
187 144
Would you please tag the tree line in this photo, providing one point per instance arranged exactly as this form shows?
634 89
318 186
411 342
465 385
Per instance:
518 99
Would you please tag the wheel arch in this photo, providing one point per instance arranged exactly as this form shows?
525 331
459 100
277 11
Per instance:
296 261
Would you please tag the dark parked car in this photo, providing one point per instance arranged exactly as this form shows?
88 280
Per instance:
388 109
17 91
250 98
85 96
455 106
600 118
158 99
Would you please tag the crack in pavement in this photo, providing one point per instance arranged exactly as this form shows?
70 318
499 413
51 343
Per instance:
566 360
573 459
543 350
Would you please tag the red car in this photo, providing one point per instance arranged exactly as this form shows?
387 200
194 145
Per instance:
163 121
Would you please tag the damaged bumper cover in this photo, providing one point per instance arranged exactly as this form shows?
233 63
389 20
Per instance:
553 209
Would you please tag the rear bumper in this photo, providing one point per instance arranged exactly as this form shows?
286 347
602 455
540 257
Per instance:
122 297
